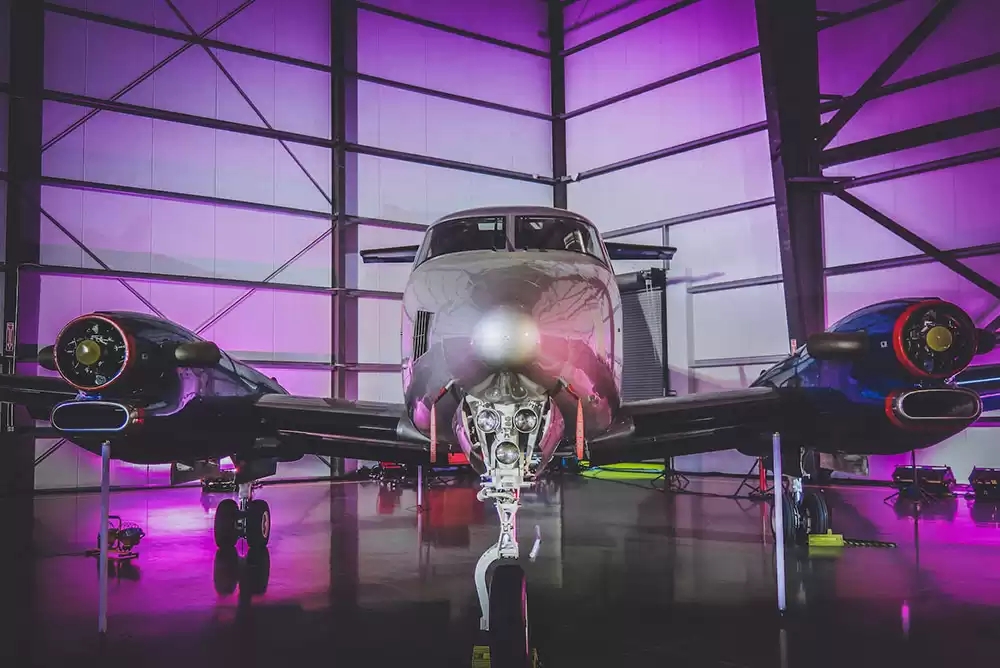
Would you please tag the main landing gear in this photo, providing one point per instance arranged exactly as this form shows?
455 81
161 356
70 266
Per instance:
804 513
250 519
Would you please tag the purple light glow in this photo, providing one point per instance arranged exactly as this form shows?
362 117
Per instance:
405 121
402 51
518 21
727 173
684 39
850 52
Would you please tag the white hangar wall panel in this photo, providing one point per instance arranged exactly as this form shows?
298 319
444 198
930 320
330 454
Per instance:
401 120
745 322
173 197
952 208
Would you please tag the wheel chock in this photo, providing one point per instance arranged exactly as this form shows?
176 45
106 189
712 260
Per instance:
828 539
481 656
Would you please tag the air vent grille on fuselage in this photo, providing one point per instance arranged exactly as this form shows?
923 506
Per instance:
421 332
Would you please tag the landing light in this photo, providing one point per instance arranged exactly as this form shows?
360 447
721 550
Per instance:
488 420
507 453
525 420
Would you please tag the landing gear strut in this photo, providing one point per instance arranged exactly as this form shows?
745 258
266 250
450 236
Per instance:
249 519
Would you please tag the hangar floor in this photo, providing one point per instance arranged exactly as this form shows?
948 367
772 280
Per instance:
625 576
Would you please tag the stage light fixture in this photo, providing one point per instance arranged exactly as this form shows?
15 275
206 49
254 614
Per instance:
935 481
985 483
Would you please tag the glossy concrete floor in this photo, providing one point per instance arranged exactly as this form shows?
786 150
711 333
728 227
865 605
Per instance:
625 576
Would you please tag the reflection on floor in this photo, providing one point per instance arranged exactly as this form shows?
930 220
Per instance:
625 576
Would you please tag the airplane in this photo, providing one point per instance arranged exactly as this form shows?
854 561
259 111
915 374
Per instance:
511 343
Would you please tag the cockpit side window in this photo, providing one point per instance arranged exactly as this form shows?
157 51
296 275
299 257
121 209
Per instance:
557 233
464 234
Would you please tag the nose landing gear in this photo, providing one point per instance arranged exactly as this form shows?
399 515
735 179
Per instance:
249 519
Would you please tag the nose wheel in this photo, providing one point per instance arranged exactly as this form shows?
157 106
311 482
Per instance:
249 519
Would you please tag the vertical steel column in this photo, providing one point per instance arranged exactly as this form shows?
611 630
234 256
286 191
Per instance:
557 79
790 66
24 165
344 108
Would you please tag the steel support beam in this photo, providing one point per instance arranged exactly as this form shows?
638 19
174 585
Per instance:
922 244
984 250
790 67
934 76
23 216
557 79
388 224
582 21
852 105
837 18
665 81
344 57
479 37
61 270
691 217
621 30
952 128
693 145
921 168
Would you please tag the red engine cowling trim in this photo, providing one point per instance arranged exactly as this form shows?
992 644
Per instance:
897 340
128 351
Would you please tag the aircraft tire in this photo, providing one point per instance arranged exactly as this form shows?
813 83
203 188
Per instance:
815 513
509 633
227 514
789 517
258 523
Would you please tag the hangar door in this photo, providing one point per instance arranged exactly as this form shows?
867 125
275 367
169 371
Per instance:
644 329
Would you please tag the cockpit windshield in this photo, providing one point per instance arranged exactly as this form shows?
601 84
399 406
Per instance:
465 234
556 233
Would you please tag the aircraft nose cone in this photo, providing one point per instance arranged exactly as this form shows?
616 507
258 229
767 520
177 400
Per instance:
506 338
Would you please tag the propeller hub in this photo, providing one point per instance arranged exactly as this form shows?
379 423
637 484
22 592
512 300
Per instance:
88 352
939 338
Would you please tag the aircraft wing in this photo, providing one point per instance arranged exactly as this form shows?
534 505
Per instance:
343 428
985 381
38 394
704 422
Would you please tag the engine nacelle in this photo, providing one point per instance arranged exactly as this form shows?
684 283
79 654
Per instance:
125 354
915 339
878 380
156 391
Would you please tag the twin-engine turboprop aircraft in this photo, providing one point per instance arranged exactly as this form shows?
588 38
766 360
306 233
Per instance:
511 342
